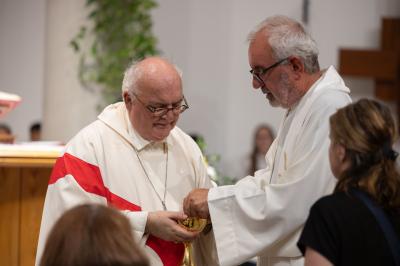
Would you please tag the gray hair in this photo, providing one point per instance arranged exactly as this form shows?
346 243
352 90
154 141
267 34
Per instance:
288 37
133 73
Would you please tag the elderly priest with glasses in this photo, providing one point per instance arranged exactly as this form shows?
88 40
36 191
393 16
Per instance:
135 158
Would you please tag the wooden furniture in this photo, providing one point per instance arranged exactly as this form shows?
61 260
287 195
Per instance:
24 176
382 65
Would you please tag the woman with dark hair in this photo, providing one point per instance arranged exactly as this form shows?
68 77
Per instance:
263 138
343 228
92 235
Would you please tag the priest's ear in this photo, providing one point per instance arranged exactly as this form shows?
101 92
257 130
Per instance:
296 65
127 97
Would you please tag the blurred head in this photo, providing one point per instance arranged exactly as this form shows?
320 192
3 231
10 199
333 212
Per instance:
35 132
282 56
6 135
361 156
92 235
152 92
263 139
4 129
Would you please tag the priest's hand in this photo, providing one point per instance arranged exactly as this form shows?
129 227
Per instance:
195 204
163 224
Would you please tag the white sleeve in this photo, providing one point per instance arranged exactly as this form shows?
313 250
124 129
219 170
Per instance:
205 252
138 222
252 216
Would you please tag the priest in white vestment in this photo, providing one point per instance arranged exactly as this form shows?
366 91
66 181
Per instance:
135 159
263 215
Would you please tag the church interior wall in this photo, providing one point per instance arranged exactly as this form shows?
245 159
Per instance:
206 39
22 53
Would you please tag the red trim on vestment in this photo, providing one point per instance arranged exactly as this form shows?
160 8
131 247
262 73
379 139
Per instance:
171 254
89 178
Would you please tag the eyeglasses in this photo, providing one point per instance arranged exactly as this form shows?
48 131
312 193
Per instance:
257 73
177 108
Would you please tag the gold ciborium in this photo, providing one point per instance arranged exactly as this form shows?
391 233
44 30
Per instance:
195 225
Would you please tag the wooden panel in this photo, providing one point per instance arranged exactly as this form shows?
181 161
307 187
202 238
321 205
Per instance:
29 155
375 64
9 216
34 187
390 35
27 162
386 90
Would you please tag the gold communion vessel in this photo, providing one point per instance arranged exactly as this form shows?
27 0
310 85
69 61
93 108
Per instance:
193 224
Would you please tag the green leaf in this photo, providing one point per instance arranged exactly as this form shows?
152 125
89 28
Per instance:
122 31
74 44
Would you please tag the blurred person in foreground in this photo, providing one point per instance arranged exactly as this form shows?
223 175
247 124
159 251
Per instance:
92 234
263 215
135 158
341 229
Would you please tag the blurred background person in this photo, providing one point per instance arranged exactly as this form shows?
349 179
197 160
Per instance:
35 132
92 235
263 138
6 135
341 228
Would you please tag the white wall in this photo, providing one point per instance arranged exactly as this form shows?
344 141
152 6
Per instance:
68 106
206 39
22 52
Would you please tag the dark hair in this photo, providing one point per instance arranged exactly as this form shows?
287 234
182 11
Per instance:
92 235
367 131
253 156
36 127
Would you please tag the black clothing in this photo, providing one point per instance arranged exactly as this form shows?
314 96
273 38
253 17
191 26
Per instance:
342 229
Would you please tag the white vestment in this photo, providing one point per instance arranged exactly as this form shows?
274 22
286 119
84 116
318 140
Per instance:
100 165
263 215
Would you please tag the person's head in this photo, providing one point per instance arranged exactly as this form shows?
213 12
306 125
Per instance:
5 129
92 235
152 92
283 59
263 138
6 135
35 132
361 156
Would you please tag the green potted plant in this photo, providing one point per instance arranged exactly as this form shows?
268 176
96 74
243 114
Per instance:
120 31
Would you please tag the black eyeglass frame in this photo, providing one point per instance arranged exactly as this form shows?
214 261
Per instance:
160 111
261 71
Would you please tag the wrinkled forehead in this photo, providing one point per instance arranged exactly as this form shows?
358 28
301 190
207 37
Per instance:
259 50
